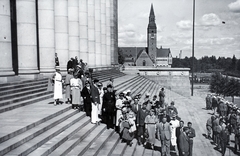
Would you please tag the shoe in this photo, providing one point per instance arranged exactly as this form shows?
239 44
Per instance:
152 146
130 144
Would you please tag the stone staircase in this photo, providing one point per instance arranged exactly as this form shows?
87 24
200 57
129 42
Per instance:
18 94
31 125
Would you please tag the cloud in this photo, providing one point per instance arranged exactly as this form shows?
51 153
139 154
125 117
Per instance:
235 6
215 41
128 36
184 24
210 20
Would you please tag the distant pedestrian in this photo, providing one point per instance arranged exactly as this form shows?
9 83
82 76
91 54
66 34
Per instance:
161 96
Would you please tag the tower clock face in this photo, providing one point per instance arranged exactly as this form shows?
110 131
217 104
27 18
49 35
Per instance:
152 36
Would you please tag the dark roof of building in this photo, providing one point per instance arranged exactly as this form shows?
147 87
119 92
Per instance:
163 52
152 11
131 51
140 52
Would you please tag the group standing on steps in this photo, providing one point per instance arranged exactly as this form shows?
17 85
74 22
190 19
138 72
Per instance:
142 117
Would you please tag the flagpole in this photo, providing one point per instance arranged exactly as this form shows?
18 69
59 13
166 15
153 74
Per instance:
193 45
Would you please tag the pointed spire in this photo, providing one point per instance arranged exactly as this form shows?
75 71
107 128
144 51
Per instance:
152 11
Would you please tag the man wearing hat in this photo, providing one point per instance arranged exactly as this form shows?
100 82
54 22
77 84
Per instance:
108 107
57 86
184 145
86 94
140 121
191 134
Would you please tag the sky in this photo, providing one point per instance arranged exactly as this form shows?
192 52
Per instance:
174 20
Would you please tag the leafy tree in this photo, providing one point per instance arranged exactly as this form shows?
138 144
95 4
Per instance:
238 65
121 58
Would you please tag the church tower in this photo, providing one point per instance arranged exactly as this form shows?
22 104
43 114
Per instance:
152 36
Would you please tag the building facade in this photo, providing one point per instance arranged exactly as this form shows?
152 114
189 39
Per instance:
150 55
32 31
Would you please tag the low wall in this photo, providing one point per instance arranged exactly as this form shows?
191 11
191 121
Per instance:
175 79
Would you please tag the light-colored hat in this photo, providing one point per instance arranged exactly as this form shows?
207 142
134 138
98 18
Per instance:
125 92
129 91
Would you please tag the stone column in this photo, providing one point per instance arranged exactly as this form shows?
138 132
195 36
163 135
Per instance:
61 32
46 36
73 28
5 41
108 33
103 33
91 33
115 31
83 30
27 38
98 32
111 31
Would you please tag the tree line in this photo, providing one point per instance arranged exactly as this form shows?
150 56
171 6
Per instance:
227 66
223 85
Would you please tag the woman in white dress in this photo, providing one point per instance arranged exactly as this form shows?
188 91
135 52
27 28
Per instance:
76 87
174 124
119 105
57 86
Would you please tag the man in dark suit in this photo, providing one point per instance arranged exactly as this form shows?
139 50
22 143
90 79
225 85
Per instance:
108 107
141 115
86 94
164 135
184 142
179 130
191 134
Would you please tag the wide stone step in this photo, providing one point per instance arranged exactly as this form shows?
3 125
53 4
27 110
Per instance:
5 87
106 77
119 149
132 85
139 151
94 149
109 146
73 141
12 134
32 90
130 150
64 142
39 140
22 138
25 88
8 105
83 146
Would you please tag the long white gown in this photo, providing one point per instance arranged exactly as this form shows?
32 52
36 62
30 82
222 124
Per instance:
175 124
58 86
119 105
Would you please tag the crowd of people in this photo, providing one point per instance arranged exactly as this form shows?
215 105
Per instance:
142 117
225 121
